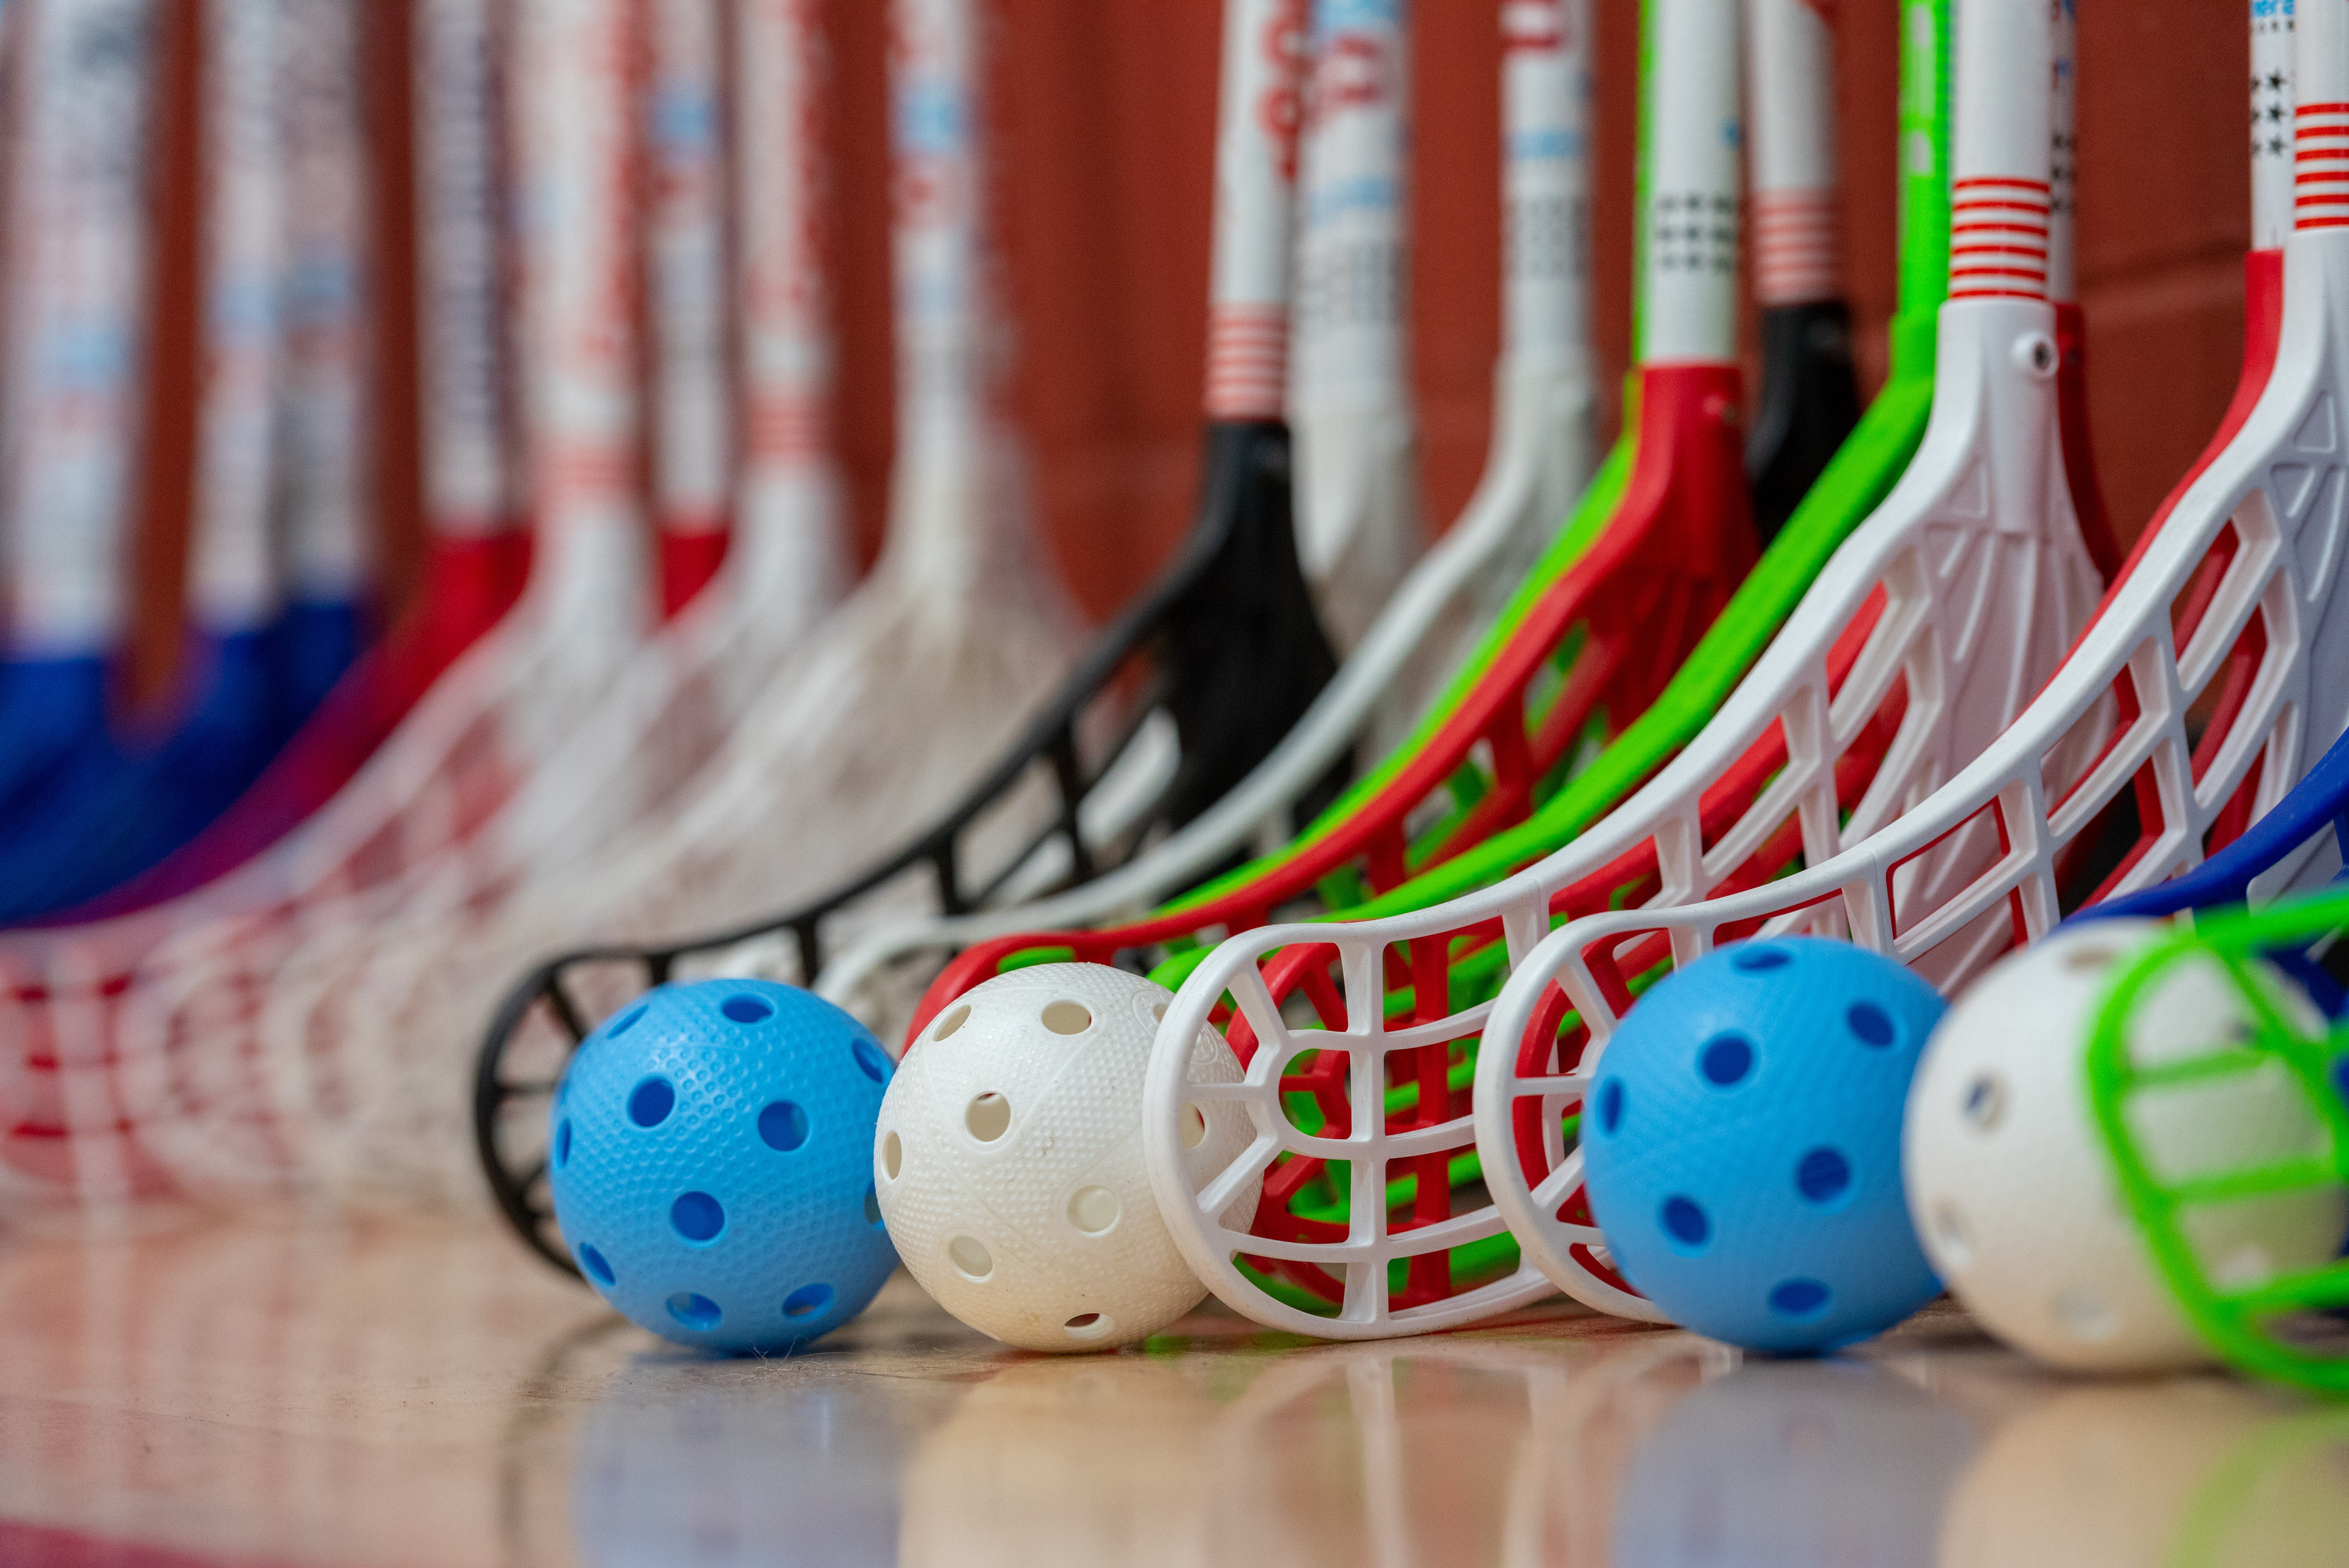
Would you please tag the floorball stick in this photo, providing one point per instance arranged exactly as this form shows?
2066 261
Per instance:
2228 594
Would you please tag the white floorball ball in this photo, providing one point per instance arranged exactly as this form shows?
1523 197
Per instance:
2011 1188
1008 1161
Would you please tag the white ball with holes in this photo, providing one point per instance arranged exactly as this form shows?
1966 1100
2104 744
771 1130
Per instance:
2012 1191
1009 1160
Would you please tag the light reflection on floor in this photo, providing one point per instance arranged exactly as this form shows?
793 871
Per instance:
409 1395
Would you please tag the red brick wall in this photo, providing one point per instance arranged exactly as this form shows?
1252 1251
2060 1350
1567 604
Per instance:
1105 112
1107 205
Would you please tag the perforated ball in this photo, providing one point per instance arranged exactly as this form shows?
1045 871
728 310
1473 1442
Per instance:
2012 1189
1009 1160
711 1164
1743 1144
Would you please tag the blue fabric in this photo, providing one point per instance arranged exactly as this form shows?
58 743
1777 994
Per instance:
55 742
84 808
152 792
317 642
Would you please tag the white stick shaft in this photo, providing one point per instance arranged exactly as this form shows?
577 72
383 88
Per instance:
231 583
785 306
1694 131
1790 51
1545 101
460 215
1262 105
2062 160
77 306
327 546
1351 286
941 205
693 434
573 91
2000 193
2272 104
2321 118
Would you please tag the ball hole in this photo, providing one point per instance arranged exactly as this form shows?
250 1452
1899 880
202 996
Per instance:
1823 1175
563 1144
1610 1106
1985 1102
988 1117
629 1020
782 1126
1799 1298
696 1216
1094 1210
1754 957
651 1101
1950 1235
1090 1325
955 1020
871 1062
893 1156
872 1207
1686 1223
807 1301
1870 1025
598 1267
1158 1011
1725 1060
1066 1017
2083 1314
970 1255
1194 1125
694 1310
747 1009
2089 959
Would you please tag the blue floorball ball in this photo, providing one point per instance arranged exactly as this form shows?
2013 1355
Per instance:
1742 1144
712 1164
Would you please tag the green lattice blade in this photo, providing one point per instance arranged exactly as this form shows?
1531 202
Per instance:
2239 1321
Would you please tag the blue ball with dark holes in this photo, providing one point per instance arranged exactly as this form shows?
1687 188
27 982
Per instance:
1742 1144
712 1164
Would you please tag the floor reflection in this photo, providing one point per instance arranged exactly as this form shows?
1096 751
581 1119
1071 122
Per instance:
1795 1462
1544 1445
2194 1473
401 1396
672 1468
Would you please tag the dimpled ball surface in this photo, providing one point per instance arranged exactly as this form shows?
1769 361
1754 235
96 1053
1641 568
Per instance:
1009 1159
711 1164
1742 1144
2012 1189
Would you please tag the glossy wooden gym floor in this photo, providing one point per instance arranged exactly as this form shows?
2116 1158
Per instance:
427 1397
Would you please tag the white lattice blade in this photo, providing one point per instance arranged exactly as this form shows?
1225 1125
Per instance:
1982 574
2277 485
1210 1247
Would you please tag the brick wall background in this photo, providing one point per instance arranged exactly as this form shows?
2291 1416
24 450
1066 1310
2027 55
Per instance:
1104 116
1107 107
